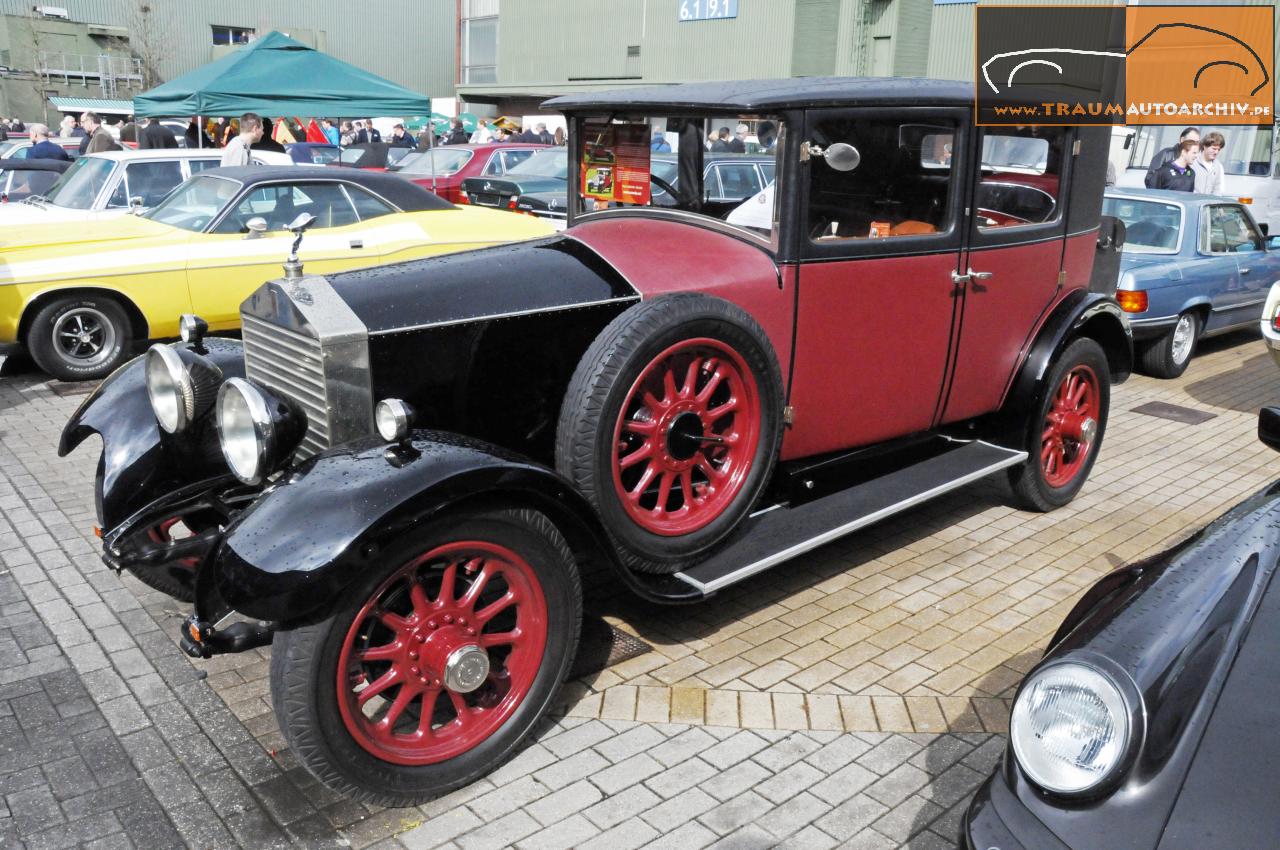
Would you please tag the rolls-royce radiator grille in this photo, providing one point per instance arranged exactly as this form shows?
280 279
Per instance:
291 364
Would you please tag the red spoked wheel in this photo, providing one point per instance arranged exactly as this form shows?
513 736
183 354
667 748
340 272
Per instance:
428 672
686 436
1064 431
174 578
442 653
163 533
1070 426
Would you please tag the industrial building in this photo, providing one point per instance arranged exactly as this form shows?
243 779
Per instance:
109 50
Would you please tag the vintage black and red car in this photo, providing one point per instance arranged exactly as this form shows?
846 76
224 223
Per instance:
397 475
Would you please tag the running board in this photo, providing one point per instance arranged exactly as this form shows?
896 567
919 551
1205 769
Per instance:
779 533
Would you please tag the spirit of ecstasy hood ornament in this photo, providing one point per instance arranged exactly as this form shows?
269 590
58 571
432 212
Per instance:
293 266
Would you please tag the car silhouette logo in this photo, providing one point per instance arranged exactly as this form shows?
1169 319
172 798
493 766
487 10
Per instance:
1038 56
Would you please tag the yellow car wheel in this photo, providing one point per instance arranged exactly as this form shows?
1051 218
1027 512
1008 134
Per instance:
79 337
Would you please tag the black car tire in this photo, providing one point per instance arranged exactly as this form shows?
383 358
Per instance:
1031 483
600 403
304 665
1159 358
100 316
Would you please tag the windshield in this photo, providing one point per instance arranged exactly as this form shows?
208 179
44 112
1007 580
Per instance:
553 163
697 164
443 161
1151 227
81 184
196 203
1246 153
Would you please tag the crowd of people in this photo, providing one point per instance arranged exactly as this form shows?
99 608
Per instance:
1191 165
486 132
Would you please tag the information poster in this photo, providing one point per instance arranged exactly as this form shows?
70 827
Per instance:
615 162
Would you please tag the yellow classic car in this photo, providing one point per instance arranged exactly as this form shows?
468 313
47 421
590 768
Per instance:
79 295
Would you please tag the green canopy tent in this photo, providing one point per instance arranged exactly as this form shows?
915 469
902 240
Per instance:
276 75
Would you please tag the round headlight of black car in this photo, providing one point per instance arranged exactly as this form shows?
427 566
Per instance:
257 430
393 419
1071 727
182 385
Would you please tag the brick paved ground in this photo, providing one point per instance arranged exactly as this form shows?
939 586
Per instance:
856 695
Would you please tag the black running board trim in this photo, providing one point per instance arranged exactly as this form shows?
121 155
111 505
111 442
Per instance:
794 531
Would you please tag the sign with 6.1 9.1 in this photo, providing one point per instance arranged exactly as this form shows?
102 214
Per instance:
707 10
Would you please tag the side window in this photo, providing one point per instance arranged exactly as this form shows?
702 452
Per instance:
513 158
198 165
367 206
150 181
281 204
494 166
900 186
1021 176
1229 232
711 184
766 168
738 181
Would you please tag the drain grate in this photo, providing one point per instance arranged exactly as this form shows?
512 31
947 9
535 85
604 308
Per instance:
1174 412
603 646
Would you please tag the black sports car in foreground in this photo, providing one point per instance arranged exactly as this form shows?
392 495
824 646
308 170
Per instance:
1151 721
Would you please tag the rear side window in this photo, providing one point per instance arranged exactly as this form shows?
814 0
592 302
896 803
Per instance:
368 206
1021 174
150 181
279 205
1229 232
738 181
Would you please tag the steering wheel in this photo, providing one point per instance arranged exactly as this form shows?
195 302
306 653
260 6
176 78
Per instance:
666 187
995 218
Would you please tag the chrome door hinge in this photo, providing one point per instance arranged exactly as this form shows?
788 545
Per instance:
1075 148
804 152
1062 278
788 415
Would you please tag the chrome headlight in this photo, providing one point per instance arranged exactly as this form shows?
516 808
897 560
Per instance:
256 430
182 385
1071 727
393 418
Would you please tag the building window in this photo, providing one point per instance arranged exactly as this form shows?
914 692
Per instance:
480 41
232 35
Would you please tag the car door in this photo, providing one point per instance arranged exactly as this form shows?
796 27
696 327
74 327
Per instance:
878 246
1013 258
229 262
1247 247
1216 268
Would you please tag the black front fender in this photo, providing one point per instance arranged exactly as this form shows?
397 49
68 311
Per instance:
139 462
290 556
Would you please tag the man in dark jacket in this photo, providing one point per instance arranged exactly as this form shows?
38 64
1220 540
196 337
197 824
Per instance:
1167 155
42 148
458 135
98 138
1177 174
155 135
400 138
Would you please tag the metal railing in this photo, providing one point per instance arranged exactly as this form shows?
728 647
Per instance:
110 72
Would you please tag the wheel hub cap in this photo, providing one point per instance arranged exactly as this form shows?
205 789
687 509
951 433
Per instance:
466 669
1070 427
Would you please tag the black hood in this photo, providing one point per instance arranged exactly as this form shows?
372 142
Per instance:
546 274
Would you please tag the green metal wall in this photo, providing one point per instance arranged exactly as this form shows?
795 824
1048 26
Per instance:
560 41
412 42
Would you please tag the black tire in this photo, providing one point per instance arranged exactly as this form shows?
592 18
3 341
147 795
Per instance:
1160 358
108 341
1031 485
304 664
601 388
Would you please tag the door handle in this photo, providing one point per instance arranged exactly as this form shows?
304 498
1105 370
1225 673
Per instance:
357 243
969 275
1244 271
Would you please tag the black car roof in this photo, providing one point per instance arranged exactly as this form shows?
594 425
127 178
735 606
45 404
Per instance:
753 95
408 196
37 164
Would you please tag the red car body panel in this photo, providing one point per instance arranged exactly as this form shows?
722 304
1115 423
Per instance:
449 186
871 350
1001 316
661 257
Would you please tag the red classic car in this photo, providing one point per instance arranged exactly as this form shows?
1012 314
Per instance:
399 473
443 169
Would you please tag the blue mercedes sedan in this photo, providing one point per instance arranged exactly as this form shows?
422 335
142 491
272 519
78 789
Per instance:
1192 266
